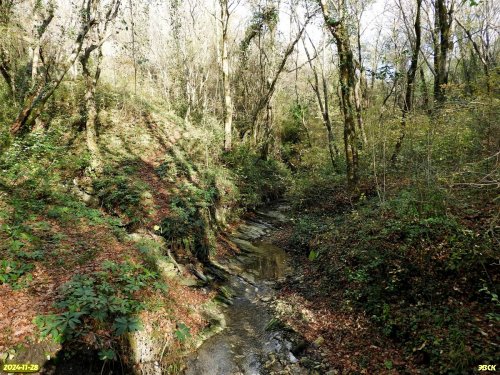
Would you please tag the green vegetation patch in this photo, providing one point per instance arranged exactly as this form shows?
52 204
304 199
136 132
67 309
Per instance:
421 273
106 300
259 181
121 193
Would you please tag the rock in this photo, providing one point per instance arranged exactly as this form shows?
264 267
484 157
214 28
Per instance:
319 341
145 351
273 215
244 245
292 358
85 192
188 281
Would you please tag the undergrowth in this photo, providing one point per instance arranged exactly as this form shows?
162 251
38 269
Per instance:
422 273
105 301
259 181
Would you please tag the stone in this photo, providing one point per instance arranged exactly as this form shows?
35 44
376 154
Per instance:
319 341
188 281
292 358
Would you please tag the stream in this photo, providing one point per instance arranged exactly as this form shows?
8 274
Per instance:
246 346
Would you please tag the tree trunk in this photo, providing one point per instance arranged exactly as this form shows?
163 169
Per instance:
90 110
228 100
347 83
410 83
358 91
91 80
132 32
347 80
358 100
91 128
425 90
443 44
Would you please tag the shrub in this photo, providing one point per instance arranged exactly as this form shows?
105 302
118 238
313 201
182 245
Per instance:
12 272
259 181
120 193
102 300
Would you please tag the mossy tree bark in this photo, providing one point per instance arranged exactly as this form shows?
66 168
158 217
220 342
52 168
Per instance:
227 103
347 80
442 46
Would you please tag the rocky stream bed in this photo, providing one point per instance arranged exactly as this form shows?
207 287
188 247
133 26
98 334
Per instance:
253 341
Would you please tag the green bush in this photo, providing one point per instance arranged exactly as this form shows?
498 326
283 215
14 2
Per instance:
259 181
103 300
12 272
120 193
411 265
188 224
183 220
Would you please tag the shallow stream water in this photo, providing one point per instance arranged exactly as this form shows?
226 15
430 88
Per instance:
246 346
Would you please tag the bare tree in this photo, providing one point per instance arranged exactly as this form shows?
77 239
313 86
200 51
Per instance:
322 97
271 83
227 102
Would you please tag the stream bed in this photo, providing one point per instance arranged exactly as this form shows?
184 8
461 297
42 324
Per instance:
248 345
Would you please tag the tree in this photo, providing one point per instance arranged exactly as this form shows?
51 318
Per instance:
410 80
443 18
347 80
227 102
104 16
322 97
269 90
6 63
46 84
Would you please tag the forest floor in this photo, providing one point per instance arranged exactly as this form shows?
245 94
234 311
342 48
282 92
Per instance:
49 237
78 242
373 293
346 340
